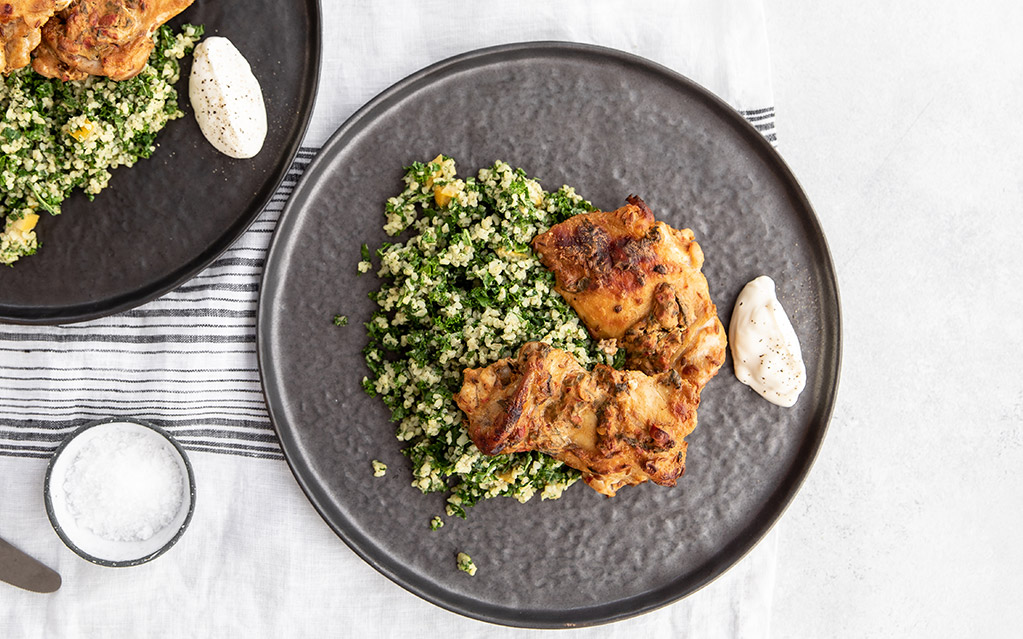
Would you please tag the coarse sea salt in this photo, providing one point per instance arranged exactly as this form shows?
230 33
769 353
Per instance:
124 486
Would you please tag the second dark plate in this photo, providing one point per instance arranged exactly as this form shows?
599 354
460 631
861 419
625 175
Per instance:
161 221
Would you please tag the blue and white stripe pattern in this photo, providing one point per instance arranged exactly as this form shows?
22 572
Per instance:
763 121
186 361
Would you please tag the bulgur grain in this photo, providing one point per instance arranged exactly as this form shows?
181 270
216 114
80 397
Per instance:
57 136
465 289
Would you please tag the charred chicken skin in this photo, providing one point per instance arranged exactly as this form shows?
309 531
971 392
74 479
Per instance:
682 333
110 38
633 280
618 428
21 23
638 281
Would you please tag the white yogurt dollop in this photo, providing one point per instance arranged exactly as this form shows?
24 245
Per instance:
765 349
226 98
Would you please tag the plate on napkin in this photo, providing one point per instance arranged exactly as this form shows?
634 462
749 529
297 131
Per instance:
610 124
163 220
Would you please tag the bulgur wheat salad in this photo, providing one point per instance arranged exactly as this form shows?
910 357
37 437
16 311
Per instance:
463 290
57 136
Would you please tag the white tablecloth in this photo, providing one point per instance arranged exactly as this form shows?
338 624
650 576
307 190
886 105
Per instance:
257 560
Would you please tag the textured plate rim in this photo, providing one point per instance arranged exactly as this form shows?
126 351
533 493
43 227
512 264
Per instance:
421 586
82 312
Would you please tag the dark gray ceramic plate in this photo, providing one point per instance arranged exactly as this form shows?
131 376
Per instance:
163 220
610 124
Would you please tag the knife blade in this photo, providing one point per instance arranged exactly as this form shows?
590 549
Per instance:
18 569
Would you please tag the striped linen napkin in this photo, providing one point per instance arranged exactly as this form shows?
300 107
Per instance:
185 360
257 559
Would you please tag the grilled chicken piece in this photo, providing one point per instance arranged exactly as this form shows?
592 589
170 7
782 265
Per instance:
21 24
111 38
637 280
618 427
683 334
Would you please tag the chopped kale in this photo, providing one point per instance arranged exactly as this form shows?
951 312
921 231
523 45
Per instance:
462 290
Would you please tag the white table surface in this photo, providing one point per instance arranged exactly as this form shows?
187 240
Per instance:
901 121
